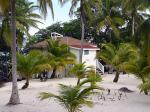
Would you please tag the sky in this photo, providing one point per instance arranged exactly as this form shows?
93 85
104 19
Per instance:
61 14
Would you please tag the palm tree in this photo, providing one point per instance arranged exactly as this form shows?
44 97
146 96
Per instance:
140 67
32 63
133 9
110 17
25 18
14 96
145 87
4 6
61 55
80 70
143 35
73 98
44 5
85 11
117 56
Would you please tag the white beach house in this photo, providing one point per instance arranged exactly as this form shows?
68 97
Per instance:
89 50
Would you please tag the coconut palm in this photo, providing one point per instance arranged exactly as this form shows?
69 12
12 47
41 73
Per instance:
14 97
117 56
25 18
73 98
61 55
85 11
4 6
143 35
145 86
32 63
80 70
93 77
110 17
44 5
133 9
139 67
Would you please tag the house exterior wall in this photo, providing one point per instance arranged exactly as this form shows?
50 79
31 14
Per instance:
89 59
76 52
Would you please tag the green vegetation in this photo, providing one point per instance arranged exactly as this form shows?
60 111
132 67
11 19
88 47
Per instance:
32 63
110 17
141 68
122 26
85 12
82 71
9 7
60 55
73 98
118 56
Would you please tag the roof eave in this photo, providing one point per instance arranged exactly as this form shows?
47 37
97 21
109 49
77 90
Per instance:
85 48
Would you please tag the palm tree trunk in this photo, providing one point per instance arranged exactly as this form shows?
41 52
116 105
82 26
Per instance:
53 73
116 77
78 82
14 99
26 84
82 31
145 91
133 26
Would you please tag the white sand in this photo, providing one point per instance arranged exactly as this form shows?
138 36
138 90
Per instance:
135 102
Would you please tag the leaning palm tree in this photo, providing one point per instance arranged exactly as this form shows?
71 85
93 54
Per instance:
140 67
32 63
73 98
85 11
117 56
61 55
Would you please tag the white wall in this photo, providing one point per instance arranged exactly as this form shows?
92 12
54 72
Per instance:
88 59
76 52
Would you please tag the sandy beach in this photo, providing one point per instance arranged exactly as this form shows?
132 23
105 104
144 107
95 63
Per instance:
131 102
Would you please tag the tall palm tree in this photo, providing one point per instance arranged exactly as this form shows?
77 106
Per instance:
85 11
4 6
44 5
32 63
117 56
61 55
143 35
110 17
25 18
133 9
14 96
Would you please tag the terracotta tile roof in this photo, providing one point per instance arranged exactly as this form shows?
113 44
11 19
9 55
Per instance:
69 41
76 43
85 46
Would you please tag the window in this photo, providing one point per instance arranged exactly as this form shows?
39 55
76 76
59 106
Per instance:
86 52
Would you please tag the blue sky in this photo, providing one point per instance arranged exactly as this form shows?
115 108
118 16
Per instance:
61 14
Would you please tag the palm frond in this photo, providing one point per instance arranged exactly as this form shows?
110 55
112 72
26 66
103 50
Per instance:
44 5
